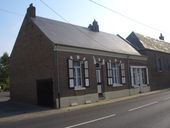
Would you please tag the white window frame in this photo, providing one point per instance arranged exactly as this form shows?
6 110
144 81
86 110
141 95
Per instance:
140 70
116 75
76 76
75 68
112 71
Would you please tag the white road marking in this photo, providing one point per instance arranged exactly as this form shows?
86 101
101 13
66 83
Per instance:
143 106
91 121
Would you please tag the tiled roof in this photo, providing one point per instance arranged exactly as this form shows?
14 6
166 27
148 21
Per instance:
154 44
77 36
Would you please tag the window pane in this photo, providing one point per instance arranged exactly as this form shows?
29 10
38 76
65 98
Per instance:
110 73
116 73
158 64
135 76
144 76
76 63
77 73
169 65
79 81
110 81
79 76
71 82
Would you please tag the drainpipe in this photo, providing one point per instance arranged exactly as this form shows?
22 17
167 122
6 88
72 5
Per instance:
56 62
128 73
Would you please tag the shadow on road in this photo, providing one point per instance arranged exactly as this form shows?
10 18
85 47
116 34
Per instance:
10 108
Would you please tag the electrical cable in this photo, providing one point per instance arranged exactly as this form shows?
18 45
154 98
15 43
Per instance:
126 17
10 12
73 25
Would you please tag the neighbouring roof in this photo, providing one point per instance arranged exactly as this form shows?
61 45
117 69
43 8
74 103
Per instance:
153 44
77 36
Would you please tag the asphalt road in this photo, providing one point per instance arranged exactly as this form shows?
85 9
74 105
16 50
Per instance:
152 111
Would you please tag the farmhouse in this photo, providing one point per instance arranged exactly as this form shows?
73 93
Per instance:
57 64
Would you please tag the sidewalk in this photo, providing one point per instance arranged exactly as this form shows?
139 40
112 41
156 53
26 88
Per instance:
41 112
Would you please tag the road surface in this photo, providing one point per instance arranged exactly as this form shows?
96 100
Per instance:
152 111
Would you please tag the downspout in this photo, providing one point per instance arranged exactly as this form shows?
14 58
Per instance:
128 73
56 62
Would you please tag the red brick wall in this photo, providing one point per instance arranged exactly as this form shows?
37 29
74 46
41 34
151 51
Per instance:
31 59
63 73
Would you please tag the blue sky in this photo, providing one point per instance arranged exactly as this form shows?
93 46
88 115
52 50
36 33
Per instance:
154 13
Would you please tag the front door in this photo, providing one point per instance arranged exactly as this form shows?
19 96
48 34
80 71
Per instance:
99 80
45 93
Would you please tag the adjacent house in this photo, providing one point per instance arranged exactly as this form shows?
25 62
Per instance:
57 64
158 53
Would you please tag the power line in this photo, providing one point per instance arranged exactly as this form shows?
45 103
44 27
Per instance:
10 12
73 25
125 16
54 11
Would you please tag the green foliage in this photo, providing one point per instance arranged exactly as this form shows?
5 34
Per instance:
4 72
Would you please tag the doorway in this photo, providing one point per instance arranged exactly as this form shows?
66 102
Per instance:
45 93
99 80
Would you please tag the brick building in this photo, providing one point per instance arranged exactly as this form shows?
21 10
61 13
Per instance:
158 53
57 64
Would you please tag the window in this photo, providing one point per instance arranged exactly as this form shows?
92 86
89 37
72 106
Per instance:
168 64
109 73
135 76
78 74
144 76
139 76
98 73
158 64
116 74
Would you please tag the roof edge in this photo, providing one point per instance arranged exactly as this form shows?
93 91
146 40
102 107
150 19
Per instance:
64 48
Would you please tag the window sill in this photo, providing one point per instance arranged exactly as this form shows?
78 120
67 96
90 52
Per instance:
135 86
159 71
117 85
76 88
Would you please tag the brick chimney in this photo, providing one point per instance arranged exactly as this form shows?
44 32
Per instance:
94 27
31 10
161 37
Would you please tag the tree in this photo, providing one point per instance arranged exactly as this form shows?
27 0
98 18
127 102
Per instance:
4 72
